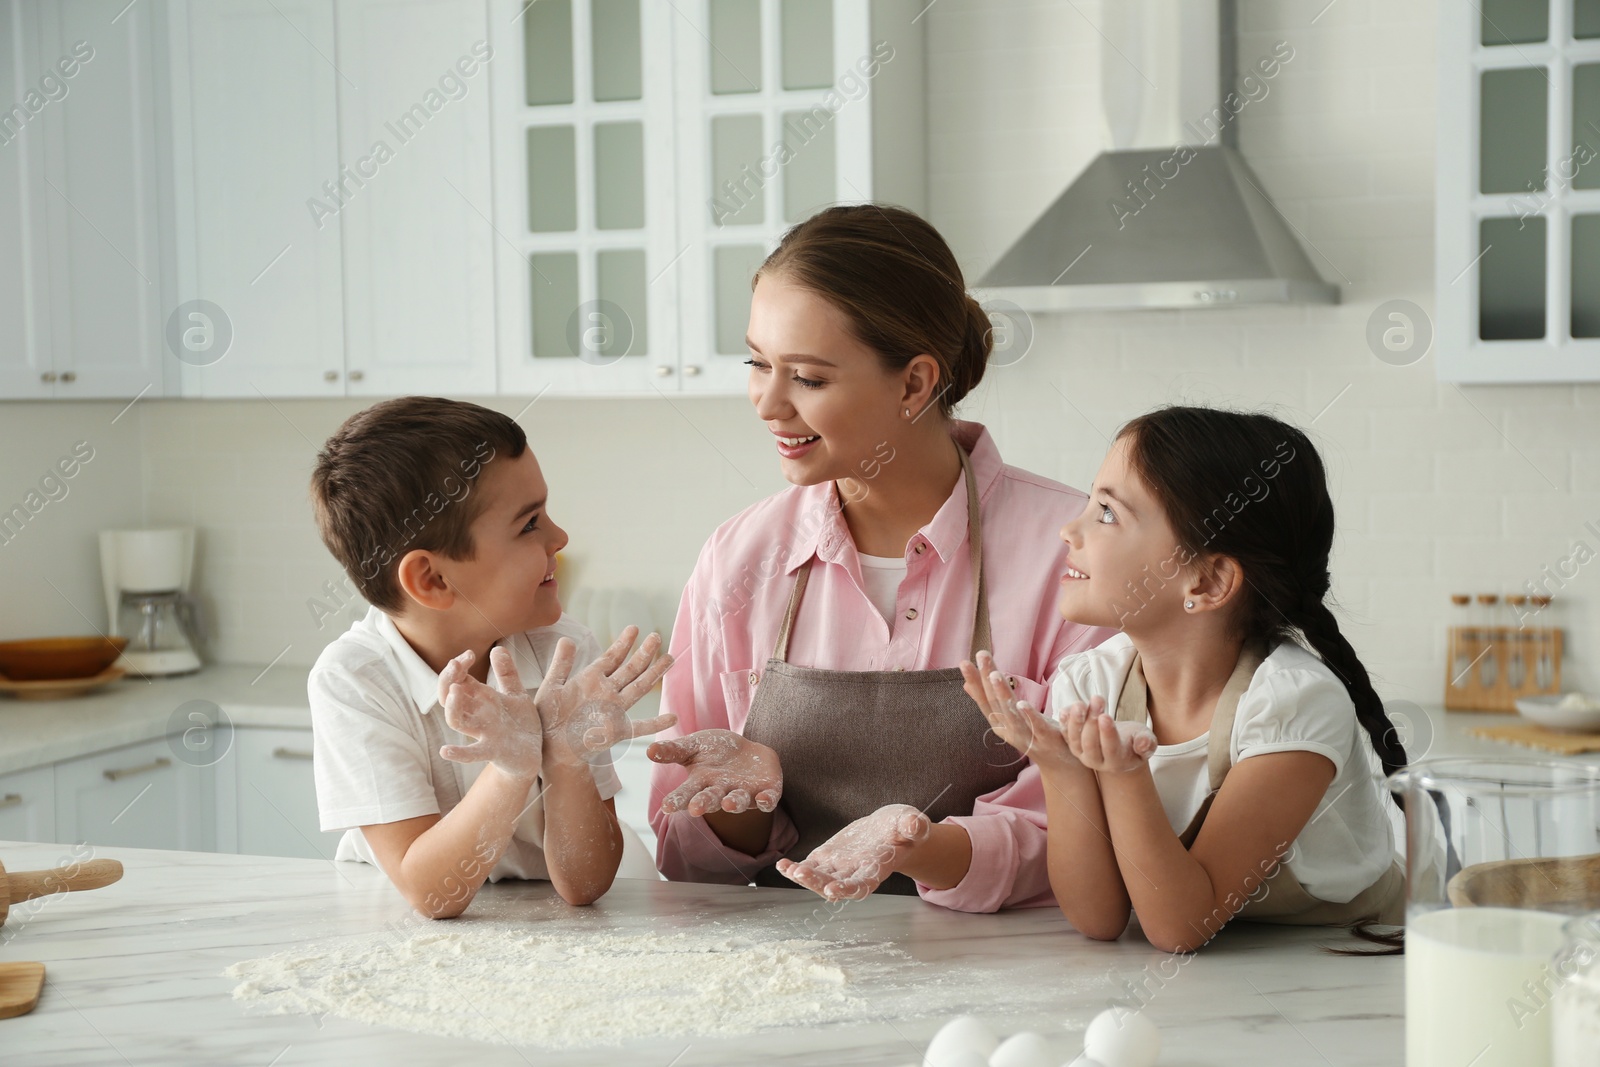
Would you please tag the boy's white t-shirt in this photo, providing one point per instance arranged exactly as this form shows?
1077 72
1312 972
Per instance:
377 726
1294 703
882 576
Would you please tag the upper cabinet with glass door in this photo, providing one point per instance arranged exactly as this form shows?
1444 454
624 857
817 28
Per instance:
784 107
650 155
1518 223
583 195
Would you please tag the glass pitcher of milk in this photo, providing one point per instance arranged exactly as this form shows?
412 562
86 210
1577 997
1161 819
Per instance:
1575 1039
1500 855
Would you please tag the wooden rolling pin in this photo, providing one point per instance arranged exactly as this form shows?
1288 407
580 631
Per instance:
25 885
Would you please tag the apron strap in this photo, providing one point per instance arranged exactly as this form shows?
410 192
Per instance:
1133 706
981 636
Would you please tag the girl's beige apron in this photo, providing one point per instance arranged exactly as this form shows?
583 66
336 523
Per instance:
1282 899
851 742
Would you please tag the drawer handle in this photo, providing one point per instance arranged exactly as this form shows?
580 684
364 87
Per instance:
10 800
290 753
124 772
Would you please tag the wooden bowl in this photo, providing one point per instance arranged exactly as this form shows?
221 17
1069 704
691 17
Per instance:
53 658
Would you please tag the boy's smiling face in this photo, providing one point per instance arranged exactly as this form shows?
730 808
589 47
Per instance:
509 583
1122 542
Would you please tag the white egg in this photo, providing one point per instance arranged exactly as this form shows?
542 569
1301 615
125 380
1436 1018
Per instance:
1119 1037
1026 1049
962 1035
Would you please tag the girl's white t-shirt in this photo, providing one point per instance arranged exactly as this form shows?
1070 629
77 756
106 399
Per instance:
1294 703
882 576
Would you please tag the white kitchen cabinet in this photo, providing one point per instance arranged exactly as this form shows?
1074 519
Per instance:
28 805
649 157
267 799
1517 263
254 115
25 358
79 224
783 107
137 796
418 242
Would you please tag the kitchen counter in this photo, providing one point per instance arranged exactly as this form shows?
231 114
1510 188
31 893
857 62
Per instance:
133 973
38 732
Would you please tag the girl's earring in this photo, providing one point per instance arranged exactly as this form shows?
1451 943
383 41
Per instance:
908 413
1189 604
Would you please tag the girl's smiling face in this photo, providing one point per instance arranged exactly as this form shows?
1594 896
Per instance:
1128 570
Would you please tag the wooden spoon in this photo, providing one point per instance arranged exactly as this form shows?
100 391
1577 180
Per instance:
25 885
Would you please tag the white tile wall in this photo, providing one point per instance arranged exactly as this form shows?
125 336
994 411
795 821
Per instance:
1439 489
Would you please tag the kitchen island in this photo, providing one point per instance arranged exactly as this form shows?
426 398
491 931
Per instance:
134 973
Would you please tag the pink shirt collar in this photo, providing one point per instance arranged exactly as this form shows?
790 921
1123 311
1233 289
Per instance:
822 531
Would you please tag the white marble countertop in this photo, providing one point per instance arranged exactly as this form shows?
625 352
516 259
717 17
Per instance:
38 732
133 973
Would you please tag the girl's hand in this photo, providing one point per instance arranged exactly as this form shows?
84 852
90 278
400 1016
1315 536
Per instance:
727 772
853 863
1016 722
1103 744
587 714
503 721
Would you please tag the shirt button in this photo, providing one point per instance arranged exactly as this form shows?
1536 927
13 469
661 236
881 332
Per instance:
911 613
920 546
899 668
754 677
1011 681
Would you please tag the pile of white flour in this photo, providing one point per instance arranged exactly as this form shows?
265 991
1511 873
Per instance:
551 985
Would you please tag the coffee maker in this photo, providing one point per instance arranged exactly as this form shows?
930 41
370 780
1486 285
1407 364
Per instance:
146 577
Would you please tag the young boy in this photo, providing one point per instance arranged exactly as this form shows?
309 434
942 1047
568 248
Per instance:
437 511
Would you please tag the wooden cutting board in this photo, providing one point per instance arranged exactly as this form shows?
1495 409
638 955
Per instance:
19 988
1533 736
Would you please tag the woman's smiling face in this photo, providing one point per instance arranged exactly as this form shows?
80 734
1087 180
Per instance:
826 397
1133 568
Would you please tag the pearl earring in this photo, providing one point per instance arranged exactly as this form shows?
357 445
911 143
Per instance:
908 413
1189 604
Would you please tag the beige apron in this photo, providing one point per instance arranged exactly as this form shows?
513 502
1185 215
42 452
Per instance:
1284 899
851 742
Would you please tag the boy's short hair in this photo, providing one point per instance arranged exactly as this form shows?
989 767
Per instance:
398 476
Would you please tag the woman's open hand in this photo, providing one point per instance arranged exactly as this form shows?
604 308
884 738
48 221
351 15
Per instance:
853 863
1016 722
727 772
1103 744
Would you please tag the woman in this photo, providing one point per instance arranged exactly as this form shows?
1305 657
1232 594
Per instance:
823 735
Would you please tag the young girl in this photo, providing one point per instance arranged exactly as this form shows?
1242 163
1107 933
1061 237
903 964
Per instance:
1204 764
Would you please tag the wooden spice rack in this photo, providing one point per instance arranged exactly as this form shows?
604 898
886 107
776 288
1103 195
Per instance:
1502 663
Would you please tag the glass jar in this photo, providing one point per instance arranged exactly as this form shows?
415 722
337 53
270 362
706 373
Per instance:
1500 855
1575 1009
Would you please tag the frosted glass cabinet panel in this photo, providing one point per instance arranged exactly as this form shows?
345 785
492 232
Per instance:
1517 266
784 108
587 297
660 151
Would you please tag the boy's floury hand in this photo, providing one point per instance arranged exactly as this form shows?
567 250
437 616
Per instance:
504 722
588 713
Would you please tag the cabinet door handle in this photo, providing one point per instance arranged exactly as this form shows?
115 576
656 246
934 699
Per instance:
691 370
48 376
663 371
290 753
69 376
114 773
10 800
330 375
356 375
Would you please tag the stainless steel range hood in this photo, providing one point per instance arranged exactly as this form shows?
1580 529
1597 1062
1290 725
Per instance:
1156 222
